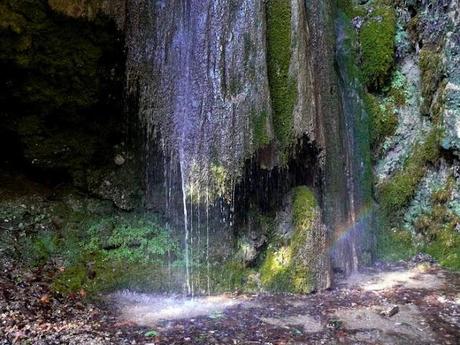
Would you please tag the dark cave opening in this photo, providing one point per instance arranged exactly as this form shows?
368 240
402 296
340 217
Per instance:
263 189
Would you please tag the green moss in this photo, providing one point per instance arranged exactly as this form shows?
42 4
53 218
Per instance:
283 88
393 245
230 276
284 268
431 67
445 248
377 38
276 272
261 136
304 207
382 120
39 248
436 229
350 9
399 190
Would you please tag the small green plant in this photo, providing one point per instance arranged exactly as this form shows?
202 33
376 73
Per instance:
123 250
151 333
134 238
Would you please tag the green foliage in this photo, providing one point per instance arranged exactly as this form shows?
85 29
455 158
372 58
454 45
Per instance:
399 190
131 239
382 120
431 67
434 233
283 88
377 38
103 252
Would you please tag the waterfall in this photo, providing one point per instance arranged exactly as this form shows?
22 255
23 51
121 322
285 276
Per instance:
199 69
355 239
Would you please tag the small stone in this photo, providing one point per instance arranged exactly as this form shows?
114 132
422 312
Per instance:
119 160
391 312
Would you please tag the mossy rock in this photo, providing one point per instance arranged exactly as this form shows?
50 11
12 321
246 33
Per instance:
382 120
431 67
294 267
377 39
396 193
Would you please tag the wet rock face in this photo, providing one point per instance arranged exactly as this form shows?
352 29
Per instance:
199 69
221 82
452 90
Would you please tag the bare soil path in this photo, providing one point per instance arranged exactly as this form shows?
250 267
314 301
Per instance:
403 303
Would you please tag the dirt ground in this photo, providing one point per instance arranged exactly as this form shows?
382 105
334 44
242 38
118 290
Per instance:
404 303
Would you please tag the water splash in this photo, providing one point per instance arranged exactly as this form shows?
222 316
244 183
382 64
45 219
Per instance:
146 309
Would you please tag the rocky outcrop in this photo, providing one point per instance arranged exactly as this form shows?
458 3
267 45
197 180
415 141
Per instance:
62 80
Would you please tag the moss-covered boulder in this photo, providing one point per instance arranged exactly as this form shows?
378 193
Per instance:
299 264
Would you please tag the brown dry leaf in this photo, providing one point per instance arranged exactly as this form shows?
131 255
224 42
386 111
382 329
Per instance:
45 299
82 293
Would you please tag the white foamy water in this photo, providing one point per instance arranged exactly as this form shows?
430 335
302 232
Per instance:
147 309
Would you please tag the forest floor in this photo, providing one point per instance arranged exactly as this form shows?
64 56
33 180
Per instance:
403 303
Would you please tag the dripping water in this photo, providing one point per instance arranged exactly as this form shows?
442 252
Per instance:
208 278
186 240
